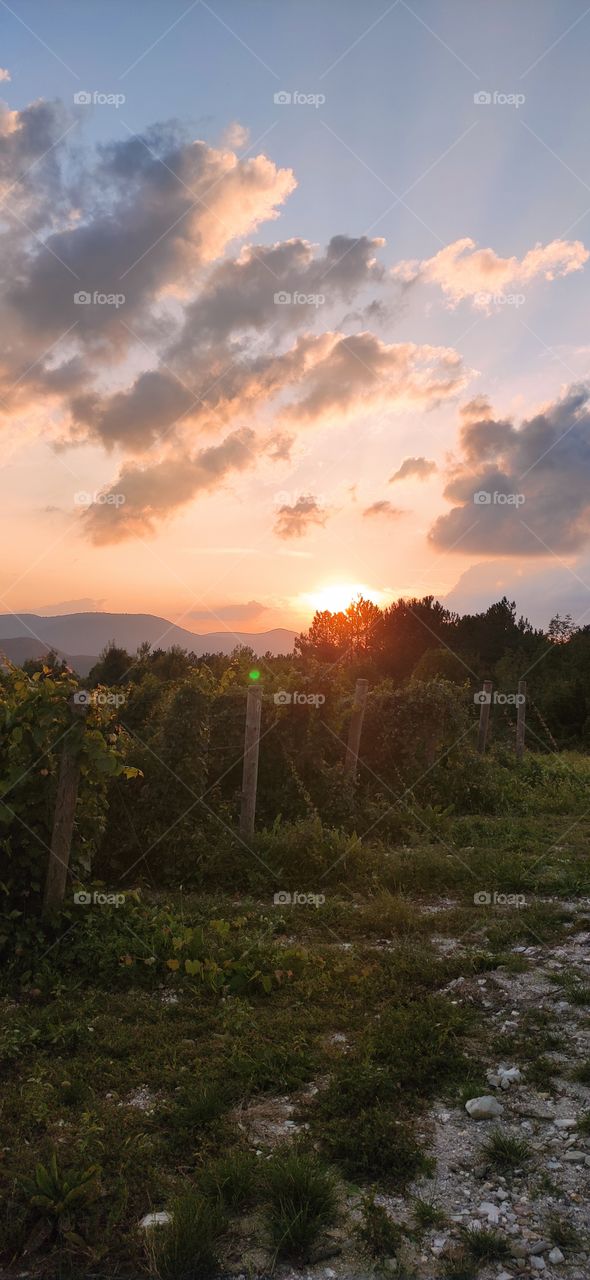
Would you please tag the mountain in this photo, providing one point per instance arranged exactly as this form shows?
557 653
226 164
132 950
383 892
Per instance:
82 636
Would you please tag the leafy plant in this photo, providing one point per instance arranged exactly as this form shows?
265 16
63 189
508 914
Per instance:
60 1195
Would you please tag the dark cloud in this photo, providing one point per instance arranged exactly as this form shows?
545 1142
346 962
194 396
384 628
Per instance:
144 495
383 508
521 491
420 467
294 521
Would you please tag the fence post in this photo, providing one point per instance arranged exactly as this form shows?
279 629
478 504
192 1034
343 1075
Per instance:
356 724
520 719
484 716
63 821
250 769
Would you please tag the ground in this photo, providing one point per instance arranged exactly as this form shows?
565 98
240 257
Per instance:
355 1029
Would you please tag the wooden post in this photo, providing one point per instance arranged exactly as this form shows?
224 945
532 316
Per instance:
484 716
63 822
520 719
250 770
356 724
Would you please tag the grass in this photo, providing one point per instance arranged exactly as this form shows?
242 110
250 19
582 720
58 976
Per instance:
91 1025
428 1215
581 1073
302 1201
377 1232
563 1233
186 1248
485 1245
232 1179
505 1152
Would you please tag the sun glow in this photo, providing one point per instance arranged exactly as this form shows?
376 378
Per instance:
337 596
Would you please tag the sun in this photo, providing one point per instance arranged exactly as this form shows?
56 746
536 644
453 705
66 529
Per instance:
336 596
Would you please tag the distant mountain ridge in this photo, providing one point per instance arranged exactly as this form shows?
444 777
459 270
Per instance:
81 637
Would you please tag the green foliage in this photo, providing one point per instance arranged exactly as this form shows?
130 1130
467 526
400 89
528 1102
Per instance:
232 1178
186 1248
379 1234
60 1197
301 1198
485 1245
35 722
505 1151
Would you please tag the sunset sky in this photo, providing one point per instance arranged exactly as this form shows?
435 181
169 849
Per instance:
316 328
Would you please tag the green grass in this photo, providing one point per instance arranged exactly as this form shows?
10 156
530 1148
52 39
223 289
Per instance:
233 1179
187 1247
563 1233
485 1245
87 1028
427 1215
302 1201
581 1073
377 1232
505 1152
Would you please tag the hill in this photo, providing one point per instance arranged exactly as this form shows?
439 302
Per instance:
82 636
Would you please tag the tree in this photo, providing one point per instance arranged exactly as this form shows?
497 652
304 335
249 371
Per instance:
560 630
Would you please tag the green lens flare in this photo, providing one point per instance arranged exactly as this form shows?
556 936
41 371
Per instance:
254 675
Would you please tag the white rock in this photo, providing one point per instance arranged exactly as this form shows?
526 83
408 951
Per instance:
502 1194
508 1078
484 1108
538 1264
155 1220
556 1256
491 1212
564 1124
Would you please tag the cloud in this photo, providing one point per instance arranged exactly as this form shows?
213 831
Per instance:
230 612
462 270
4 74
360 373
241 294
383 508
420 467
86 605
196 352
143 495
535 482
236 135
294 521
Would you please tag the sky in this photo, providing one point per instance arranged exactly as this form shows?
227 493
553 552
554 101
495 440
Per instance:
294 305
